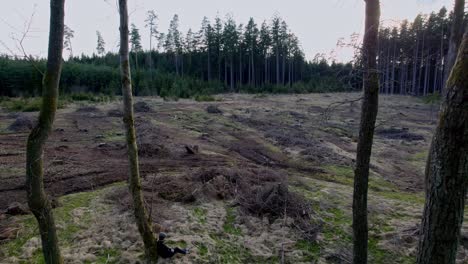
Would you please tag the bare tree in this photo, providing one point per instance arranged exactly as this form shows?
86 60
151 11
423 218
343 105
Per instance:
447 170
456 36
142 219
37 198
366 132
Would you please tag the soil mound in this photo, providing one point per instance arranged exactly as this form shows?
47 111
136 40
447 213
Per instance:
213 109
142 107
22 124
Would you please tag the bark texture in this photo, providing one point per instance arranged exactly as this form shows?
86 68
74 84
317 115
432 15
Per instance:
456 36
141 216
366 131
38 201
447 170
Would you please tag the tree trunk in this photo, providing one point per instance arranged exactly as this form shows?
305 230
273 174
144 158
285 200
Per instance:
447 170
277 65
37 198
209 63
415 67
366 132
142 219
455 36
392 86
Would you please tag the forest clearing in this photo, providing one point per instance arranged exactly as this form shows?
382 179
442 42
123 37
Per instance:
303 141
233 142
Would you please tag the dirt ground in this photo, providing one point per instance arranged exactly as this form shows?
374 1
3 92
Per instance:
309 140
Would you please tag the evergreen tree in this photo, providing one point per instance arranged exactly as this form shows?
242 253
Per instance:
135 39
100 48
69 34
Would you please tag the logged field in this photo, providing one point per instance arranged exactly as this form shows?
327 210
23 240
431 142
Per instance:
200 163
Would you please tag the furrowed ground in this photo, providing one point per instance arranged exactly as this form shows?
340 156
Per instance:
303 142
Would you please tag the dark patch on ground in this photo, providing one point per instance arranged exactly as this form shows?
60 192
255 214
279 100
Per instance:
399 133
22 123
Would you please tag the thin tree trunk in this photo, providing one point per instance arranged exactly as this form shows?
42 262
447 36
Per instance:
426 77
415 67
253 68
240 69
141 216
420 80
436 74
392 87
37 198
209 63
447 171
455 36
277 64
366 131
232 75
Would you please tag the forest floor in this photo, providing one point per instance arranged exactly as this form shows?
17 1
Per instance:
306 141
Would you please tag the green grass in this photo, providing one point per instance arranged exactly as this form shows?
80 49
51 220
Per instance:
63 217
200 214
30 104
114 136
205 98
229 226
89 97
345 175
110 256
311 250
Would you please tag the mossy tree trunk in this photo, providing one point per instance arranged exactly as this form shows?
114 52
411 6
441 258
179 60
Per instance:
366 132
447 170
37 198
143 221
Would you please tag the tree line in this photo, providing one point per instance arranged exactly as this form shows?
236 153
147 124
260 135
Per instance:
222 56
413 55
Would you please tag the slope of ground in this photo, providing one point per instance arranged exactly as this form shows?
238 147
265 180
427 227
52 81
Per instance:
307 141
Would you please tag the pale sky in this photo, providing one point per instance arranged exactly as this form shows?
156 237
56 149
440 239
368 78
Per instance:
319 24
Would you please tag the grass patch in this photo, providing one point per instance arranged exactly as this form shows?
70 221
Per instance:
311 250
11 171
114 136
110 255
381 256
345 175
30 104
63 217
229 226
89 97
204 98
417 198
200 214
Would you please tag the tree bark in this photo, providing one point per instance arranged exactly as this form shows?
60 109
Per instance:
447 170
142 219
456 36
366 132
37 198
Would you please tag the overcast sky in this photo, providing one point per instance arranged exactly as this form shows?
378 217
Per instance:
318 23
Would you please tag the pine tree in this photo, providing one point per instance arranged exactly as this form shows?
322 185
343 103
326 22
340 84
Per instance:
135 39
69 34
100 48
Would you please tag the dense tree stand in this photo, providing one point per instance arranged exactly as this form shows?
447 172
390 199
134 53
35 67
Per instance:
366 132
